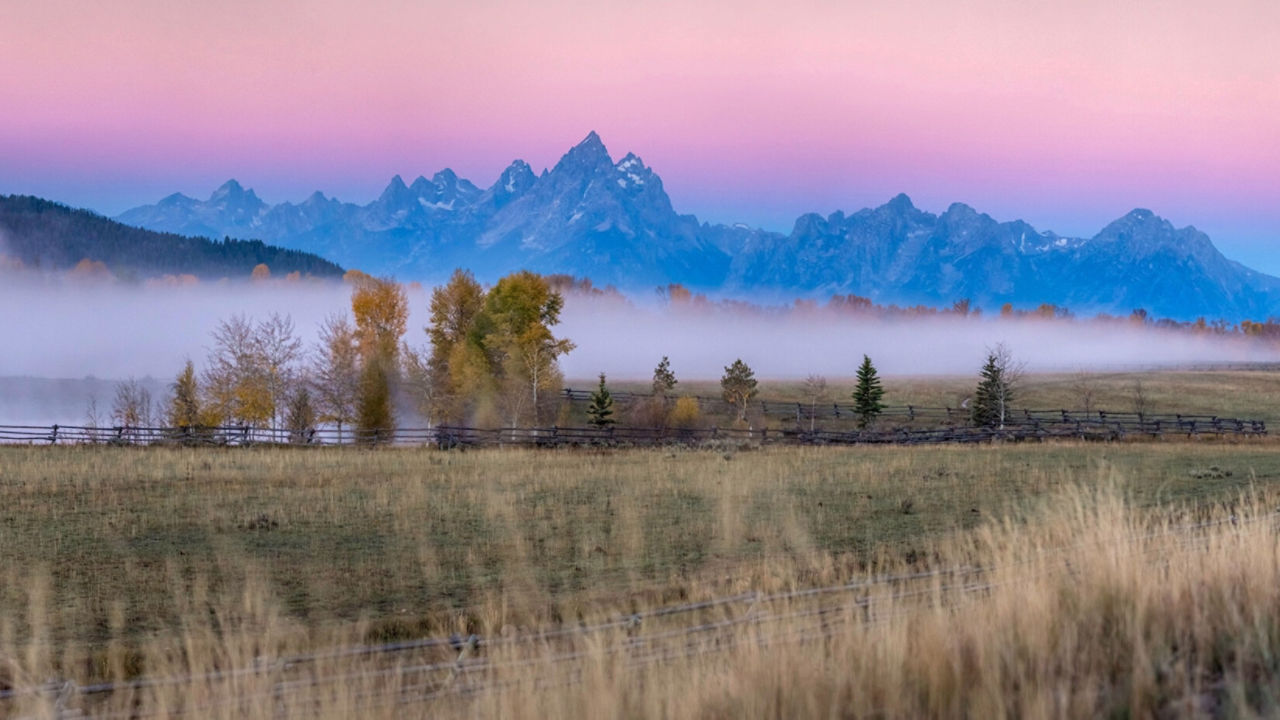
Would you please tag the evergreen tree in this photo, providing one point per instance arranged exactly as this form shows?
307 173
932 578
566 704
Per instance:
664 381
994 395
867 394
738 386
184 405
600 411
983 410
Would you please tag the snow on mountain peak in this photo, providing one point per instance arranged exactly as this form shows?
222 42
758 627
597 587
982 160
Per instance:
634 170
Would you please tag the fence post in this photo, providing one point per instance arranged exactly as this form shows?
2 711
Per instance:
911 413
53 438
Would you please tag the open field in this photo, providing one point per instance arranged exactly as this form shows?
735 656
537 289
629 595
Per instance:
122 562
1243 393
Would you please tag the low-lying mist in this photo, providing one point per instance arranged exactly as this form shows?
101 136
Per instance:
57 328
627 343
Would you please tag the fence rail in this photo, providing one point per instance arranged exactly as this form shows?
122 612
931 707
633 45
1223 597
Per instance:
951 416
1024 425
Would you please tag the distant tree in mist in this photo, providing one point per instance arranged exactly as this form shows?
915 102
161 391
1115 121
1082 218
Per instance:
454 308
664 380
132 405
251 369
521 309
300 418
230 362
600 409
184 402
1085 386
381 311
652 411
92 418
415 380
374 417
1138 398
868 394
279 350
815 391
993 398
738 386
335 373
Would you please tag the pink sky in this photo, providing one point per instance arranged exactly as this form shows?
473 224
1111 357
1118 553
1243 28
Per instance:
1066 114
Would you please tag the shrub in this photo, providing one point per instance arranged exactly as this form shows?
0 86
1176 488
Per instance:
685 414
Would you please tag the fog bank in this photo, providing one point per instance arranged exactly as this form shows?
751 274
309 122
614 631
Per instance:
53 328
628 342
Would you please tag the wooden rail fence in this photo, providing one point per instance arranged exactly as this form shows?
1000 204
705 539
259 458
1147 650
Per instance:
914 414
1024 425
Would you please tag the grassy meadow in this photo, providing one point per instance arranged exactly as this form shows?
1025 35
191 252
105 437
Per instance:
122 563
1229 392
1133 578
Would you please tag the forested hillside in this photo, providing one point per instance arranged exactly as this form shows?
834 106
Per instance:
47 236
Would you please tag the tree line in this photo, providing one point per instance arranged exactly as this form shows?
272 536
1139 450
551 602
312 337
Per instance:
492 358
47 236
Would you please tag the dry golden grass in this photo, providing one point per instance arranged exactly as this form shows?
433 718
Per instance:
1095 597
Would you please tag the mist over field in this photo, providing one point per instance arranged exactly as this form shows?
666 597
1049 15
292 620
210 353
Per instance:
57 329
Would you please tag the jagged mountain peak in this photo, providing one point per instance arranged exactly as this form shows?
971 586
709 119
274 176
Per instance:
517 178
589 155
812 224
959 209
396 185
629 161
900 202
233 191
176 199
229 187
1138 222
396 193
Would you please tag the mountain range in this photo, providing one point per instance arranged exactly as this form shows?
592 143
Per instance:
612 221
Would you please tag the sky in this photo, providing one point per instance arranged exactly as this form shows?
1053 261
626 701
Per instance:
1065 114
